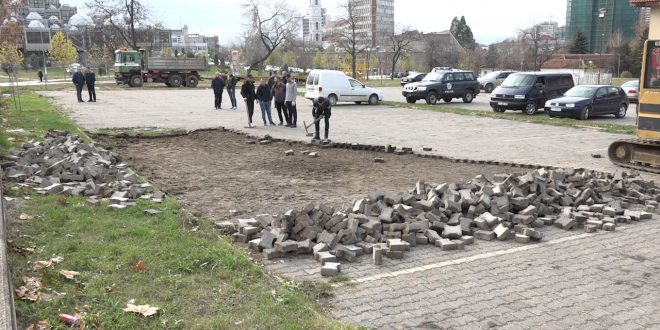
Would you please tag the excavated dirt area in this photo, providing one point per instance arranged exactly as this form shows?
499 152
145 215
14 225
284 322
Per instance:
213 172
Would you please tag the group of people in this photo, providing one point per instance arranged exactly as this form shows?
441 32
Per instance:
218 84
80 80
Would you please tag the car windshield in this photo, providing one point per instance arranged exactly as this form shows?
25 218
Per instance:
519 80
581 91
632 83
434 76
491 75
412 75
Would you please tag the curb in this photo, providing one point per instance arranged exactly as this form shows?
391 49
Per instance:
7 308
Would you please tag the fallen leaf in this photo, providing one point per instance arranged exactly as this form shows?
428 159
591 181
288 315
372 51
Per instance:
24 216
84 309
25 293
41 325
96 320
48 263
145 310
69 274
111 288
32 282
21 250
140 265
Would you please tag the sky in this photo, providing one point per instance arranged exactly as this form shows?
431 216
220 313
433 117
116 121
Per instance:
490 21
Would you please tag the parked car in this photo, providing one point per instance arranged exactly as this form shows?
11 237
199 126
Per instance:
632 90
492 80
338 87
412 77
585 101
528 91
445 85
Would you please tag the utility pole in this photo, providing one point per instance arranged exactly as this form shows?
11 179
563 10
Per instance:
601 18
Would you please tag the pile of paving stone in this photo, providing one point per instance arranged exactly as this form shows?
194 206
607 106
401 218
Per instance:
451 215
64 164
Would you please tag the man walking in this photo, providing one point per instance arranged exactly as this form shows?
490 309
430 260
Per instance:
265 98
279 93
218 86
90 80
78 80
41 76
290 100
231 89
247 91
321 110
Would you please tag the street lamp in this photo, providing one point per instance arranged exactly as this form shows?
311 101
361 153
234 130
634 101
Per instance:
380 74
601 18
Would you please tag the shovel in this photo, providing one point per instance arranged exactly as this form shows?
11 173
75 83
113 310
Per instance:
310 125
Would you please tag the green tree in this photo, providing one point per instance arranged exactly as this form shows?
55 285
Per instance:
407 63
275 58
320 60
62 50
492 56
215 59
289 58
463 33
579 45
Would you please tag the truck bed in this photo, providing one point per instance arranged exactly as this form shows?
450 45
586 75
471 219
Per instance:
176 64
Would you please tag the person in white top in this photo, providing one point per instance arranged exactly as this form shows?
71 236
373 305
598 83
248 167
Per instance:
290 100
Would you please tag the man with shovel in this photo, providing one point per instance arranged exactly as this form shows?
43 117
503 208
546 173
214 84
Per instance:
321 110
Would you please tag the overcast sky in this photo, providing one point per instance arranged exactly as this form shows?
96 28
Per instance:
491 21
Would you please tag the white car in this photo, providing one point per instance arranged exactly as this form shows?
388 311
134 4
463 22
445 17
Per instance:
73 67
338 87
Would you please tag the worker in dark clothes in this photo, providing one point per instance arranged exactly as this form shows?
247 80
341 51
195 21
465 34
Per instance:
41 76
90 81
279 94
218 85
321 109
79 81
249 96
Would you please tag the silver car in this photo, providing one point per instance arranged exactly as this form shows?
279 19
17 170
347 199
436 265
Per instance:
632 90
493 79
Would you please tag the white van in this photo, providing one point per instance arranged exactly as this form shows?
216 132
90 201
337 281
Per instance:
337 87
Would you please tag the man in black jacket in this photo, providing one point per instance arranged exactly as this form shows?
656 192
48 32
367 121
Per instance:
265 98
79 81
231 89
321 109
247 92
90 80
218 85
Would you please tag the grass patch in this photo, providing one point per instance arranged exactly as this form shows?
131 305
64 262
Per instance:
198 279
340 279
537 119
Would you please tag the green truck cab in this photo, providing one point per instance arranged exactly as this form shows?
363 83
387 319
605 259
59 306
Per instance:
134 67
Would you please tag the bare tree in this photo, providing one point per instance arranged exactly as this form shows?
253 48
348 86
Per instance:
540 47
398 43
122 15
349 37
272 23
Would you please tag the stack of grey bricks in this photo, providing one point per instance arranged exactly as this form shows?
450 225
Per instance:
451 215
64 164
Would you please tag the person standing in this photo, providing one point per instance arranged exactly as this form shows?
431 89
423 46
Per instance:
271 79
90 81
41 76
290 100
265 98
321 110
279 94
78 80
231 89
247 91
218 85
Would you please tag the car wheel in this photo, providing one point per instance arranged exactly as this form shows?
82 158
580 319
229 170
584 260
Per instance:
410 100
431 98
373 99
584 114
530 108
621 112
446 99
488 88
333 99
468 96
175 80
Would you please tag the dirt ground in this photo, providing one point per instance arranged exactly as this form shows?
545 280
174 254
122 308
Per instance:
212 172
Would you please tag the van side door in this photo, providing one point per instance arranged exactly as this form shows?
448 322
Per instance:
357 92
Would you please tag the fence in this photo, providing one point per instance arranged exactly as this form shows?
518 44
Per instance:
592 78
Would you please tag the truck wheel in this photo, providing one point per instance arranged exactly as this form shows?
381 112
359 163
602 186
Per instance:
175 80
192 81
530 108
432 98
410 100
468 96
136 81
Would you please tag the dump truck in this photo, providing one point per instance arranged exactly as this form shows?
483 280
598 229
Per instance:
134 68
643 152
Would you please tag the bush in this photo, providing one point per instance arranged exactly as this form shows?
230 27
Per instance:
626 74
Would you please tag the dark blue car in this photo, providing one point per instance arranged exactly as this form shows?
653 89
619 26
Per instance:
584 101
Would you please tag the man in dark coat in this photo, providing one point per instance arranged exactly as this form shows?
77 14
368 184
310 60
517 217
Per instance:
218 85
321 109
41 76
90 81
279 94
265 98
249 96
231 89
79 81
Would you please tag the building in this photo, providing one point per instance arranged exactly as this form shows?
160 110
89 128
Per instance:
583 15
549 29
183 41
644 15
375 20
314 21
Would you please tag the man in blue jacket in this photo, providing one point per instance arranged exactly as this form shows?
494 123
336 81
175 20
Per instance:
78 80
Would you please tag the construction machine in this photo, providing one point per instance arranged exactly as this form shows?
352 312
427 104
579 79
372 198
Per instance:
643 152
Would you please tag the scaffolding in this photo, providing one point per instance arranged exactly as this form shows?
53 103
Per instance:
582 15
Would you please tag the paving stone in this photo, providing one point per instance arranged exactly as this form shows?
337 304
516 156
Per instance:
485 235
325 256
330 269
589 228
502 232
609 226
565 223
520 238
446 244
